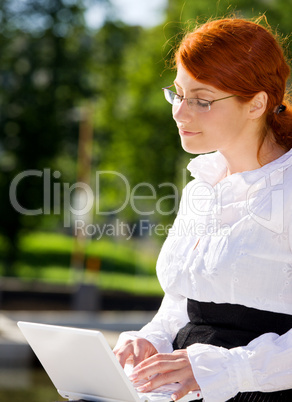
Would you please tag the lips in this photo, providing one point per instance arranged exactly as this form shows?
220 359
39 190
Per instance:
185 133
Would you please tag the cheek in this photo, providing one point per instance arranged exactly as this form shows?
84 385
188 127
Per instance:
227 122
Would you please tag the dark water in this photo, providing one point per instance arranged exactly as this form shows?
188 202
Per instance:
26 385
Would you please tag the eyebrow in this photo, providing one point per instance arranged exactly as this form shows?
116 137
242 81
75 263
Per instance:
195 89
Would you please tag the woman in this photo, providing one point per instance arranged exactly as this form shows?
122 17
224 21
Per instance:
224 325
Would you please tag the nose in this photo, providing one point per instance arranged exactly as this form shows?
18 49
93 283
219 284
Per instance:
181 113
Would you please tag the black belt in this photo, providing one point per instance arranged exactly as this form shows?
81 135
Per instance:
229 326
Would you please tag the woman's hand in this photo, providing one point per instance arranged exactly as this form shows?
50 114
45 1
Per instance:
169 368
134 351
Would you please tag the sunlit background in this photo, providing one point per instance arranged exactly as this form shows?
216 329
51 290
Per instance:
91 168
145 13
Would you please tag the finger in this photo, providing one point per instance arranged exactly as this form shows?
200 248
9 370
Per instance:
140 352
159 357
149 361
169 371
134 351
155 380
124 354
158 381
184 389
159 363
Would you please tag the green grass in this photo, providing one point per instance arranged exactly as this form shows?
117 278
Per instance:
43 249
146 285
128 267
135 284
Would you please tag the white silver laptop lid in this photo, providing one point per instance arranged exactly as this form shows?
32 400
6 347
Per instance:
79 362
82 365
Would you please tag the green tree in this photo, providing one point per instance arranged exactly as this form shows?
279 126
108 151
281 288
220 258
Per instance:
135 133
45 52
183 14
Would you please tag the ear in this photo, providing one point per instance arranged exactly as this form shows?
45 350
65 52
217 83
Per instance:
258 105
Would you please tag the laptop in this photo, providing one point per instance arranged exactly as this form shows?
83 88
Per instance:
82 366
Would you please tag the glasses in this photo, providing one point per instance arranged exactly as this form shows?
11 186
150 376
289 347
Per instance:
195 104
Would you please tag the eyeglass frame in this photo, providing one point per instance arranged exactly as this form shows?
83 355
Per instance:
182 98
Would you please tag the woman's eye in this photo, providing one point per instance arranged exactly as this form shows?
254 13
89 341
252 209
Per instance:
202 103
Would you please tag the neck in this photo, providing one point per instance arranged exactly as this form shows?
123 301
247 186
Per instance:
248 158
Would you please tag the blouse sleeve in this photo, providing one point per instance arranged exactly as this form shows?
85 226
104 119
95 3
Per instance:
161 331
264 365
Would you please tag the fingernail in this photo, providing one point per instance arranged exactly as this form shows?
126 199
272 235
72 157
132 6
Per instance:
133 376
174 397
142 388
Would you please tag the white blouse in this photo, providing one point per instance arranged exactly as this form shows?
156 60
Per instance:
231 242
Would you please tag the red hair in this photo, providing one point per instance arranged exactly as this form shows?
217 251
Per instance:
243 58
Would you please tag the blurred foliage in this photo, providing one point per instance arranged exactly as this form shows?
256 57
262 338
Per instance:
39 250
44 59
143 144
46 257
51 64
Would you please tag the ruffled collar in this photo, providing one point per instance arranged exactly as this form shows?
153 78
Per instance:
211 168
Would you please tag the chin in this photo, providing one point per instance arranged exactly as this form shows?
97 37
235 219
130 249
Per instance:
195 149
